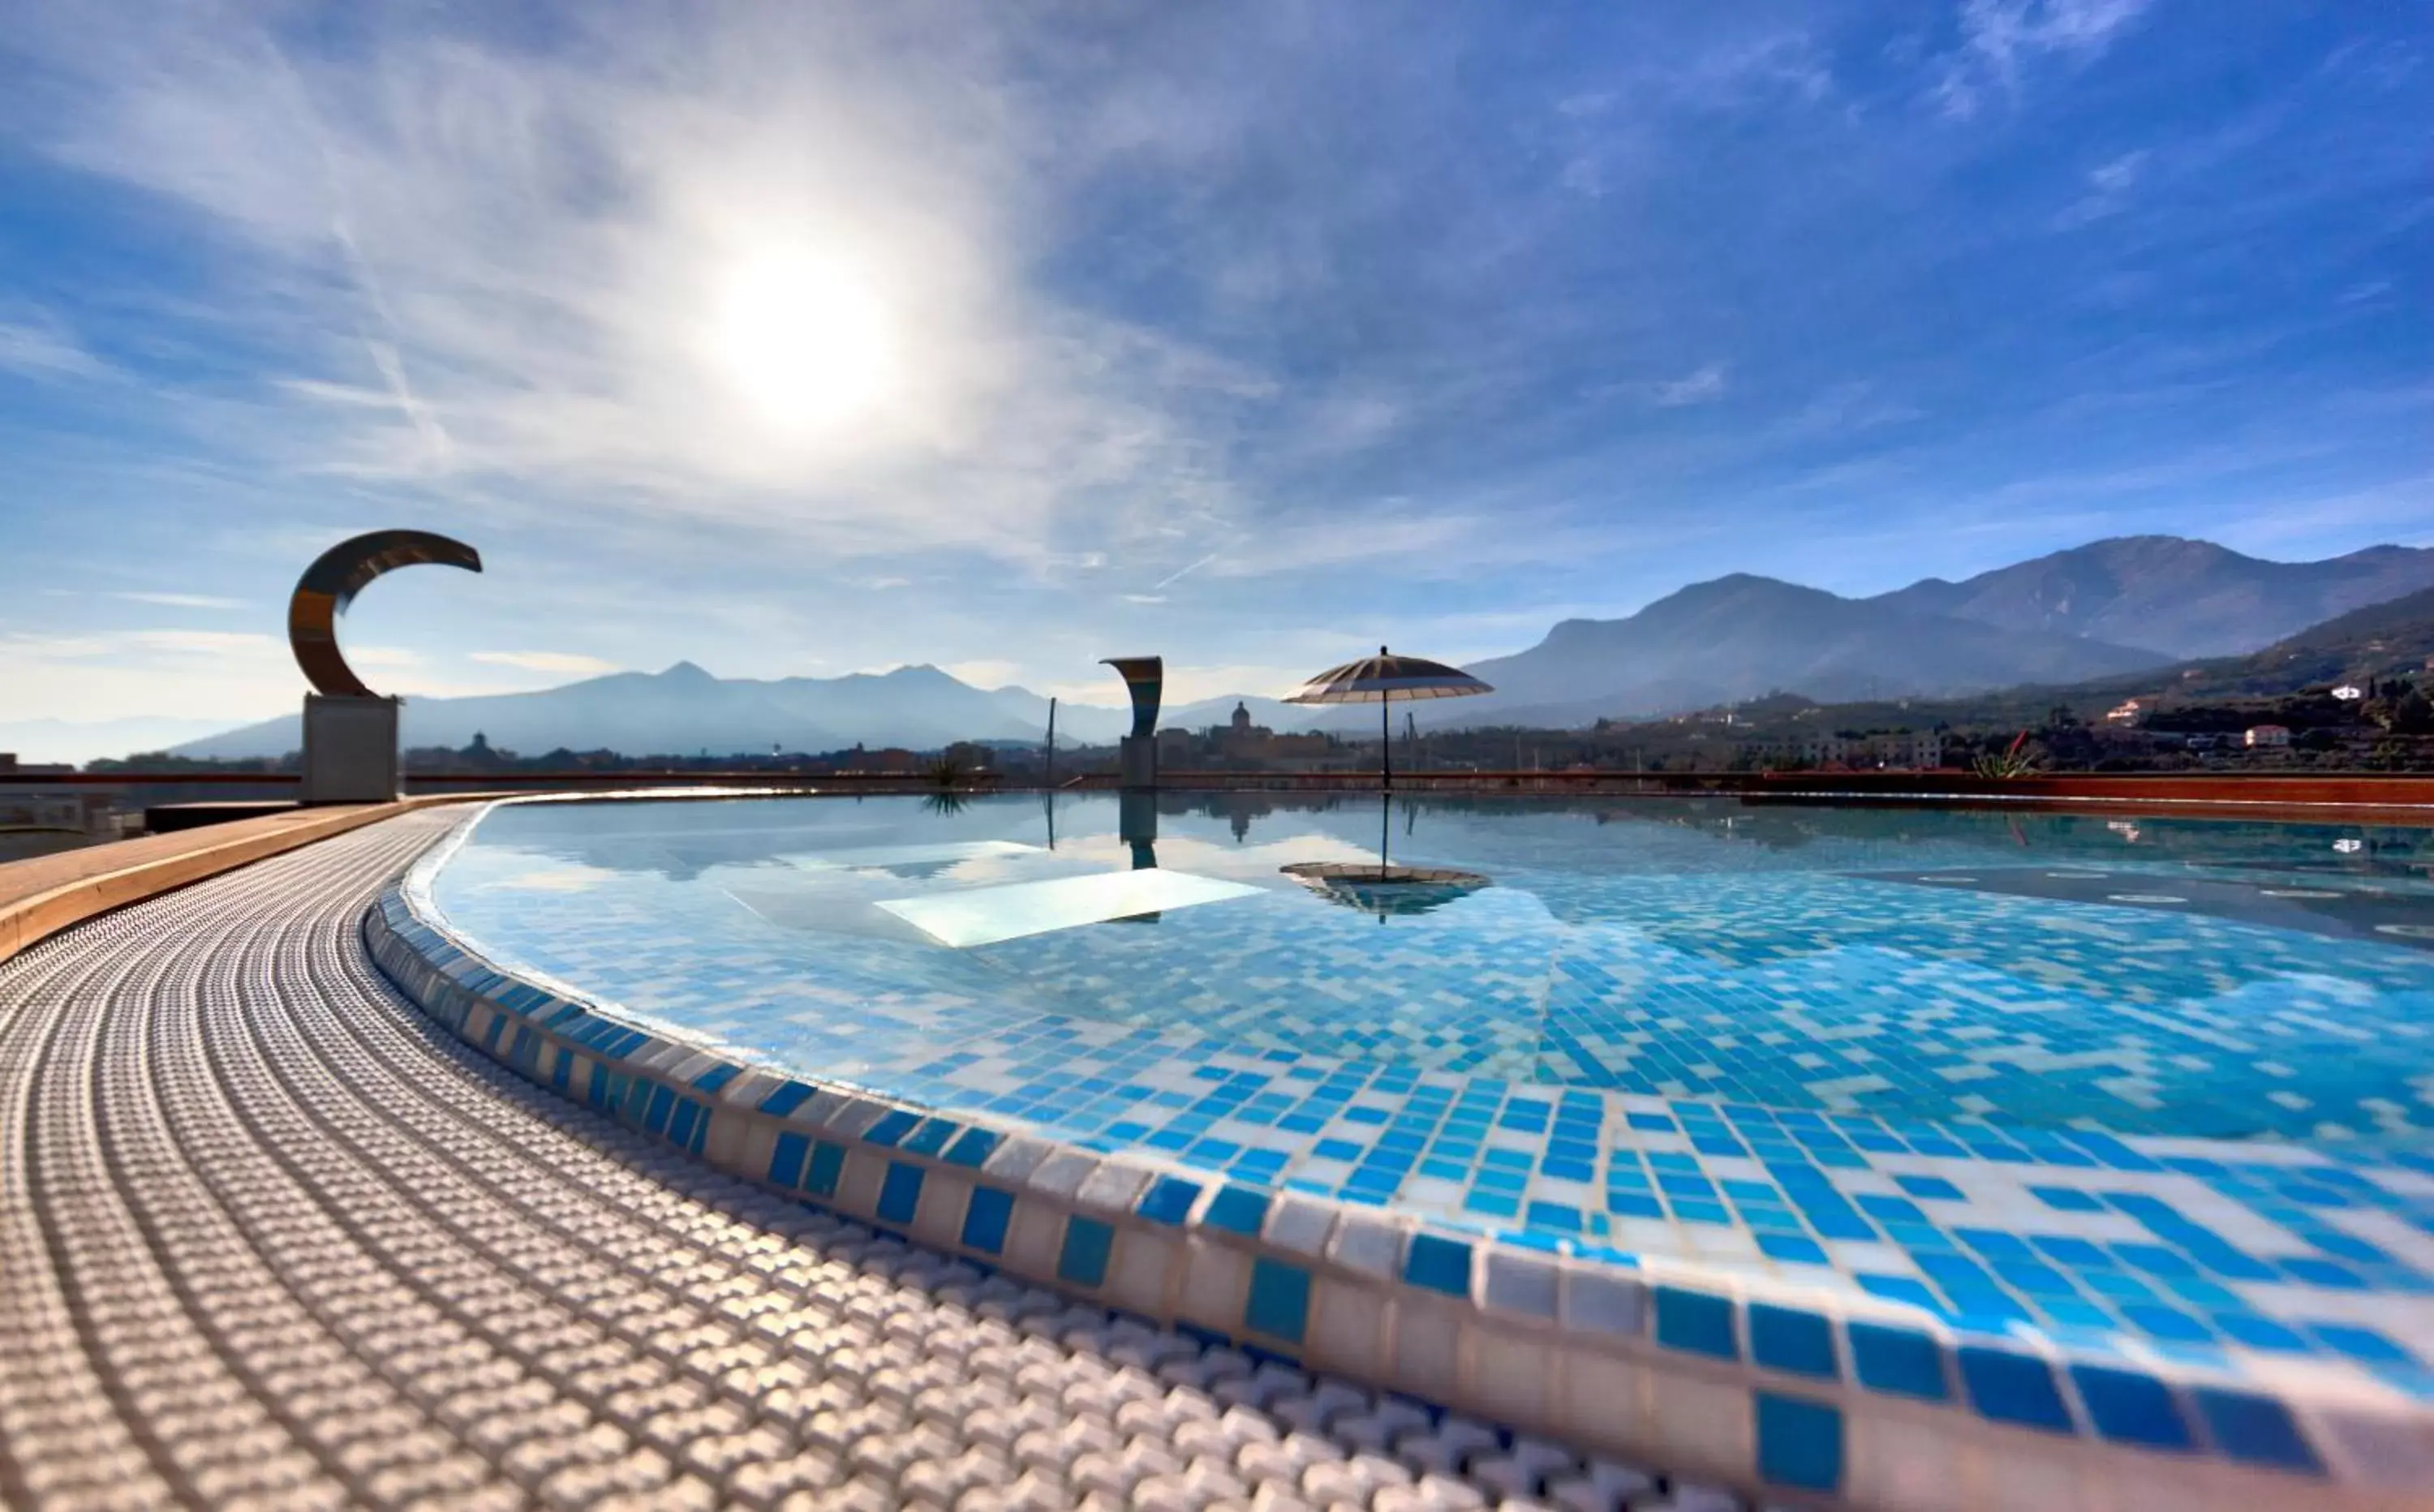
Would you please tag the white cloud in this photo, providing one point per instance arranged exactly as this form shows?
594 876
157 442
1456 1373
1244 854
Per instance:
1704 386
1190 683
151 642
45 351
227 676
494 269
2113 176
2000 39
572 663
1844 409
2108 189
181 601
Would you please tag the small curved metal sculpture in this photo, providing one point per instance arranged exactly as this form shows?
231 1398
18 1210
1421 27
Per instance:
1145 677
331 583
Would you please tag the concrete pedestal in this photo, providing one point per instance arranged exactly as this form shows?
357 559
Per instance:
350 750
1137 760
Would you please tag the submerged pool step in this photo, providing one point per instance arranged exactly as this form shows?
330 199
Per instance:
982 916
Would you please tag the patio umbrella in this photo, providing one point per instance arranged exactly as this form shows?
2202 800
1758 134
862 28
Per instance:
1381 680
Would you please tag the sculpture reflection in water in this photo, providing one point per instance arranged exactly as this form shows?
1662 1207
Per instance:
1136 826
1382 888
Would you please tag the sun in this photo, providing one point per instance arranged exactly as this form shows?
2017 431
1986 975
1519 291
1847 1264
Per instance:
806 340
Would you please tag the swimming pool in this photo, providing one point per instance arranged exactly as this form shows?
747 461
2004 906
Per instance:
2155 1086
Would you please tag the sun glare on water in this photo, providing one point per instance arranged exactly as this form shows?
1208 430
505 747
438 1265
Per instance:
805 340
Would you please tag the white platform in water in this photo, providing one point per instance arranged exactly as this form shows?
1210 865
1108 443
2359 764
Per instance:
984 916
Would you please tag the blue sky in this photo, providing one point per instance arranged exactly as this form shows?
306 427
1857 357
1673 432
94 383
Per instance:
813 339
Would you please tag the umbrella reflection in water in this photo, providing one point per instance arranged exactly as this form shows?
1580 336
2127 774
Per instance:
1380 887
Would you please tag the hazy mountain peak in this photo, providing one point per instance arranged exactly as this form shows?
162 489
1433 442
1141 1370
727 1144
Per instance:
685 672
2171 594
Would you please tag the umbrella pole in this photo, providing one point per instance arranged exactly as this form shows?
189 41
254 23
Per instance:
1386 740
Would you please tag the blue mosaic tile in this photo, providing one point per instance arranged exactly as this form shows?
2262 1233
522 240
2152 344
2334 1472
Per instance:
1083 1260
1799 1442
985 1218
1236 1210
973 1148
827 1164
1438 1264
900 1193
786 1161
1787 1338
2131 1407
1168 1200
2256 1429
1699 1322
1897 1360
2013 1388
1279 1302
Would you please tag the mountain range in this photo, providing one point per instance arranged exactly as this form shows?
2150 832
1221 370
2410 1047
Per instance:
2109 608
2163 593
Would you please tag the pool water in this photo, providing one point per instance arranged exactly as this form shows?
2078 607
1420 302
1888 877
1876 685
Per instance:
1959 1059
2046 971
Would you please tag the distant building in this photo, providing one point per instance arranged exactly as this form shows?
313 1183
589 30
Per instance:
2262 737
1239 745
2349 692
1907 750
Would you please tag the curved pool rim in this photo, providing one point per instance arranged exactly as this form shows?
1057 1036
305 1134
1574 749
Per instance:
1795 1393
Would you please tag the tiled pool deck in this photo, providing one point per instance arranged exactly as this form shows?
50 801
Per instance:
1866 1122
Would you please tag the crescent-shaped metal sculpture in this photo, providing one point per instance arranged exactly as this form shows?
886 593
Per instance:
1144 676
331 583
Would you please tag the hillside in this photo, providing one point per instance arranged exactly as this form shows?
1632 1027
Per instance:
2382 643
1740 637
685 709
2178 597
2382 640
